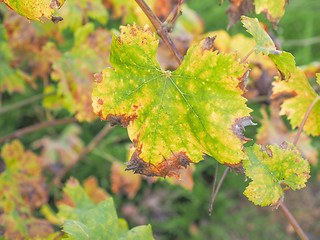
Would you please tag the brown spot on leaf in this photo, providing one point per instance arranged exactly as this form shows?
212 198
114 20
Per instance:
55 19
208 43
98 77
100 114
244 81
267 150
239 126
121 120
100 101
237 168
168 167
137 165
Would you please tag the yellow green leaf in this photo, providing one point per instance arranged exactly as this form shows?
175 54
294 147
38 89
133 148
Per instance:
273 9
271 168
173 118
283 60
263 40
285 63
34 10
302 95
74 70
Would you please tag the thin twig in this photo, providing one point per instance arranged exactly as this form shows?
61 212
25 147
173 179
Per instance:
19 133
95 141
247 56
213 188
293 221
304 120
160 31
218 187
174 14
22 103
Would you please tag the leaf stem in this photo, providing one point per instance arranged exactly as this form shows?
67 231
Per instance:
213 188
293 221
160 31
22 103
218 188
304 120
19 133
248 55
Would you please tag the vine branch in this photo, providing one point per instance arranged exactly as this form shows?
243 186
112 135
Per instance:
160 30
293 222
23 131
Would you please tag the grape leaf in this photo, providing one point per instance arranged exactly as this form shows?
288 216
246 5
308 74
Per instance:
34 10
74 70
272 167
285 63
274 131
88 221
96 193
283 60
263 40
173 118
273 9
302 96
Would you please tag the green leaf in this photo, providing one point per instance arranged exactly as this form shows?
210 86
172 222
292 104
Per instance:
263 40
34 10
301 96
285 63
272 167
89 221
283 60
173 117
273 9
140 232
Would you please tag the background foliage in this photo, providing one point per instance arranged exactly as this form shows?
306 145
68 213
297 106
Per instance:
49 69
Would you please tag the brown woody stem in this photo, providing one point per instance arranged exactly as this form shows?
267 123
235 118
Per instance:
293 222
218 187
160 31
19 133
304 120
